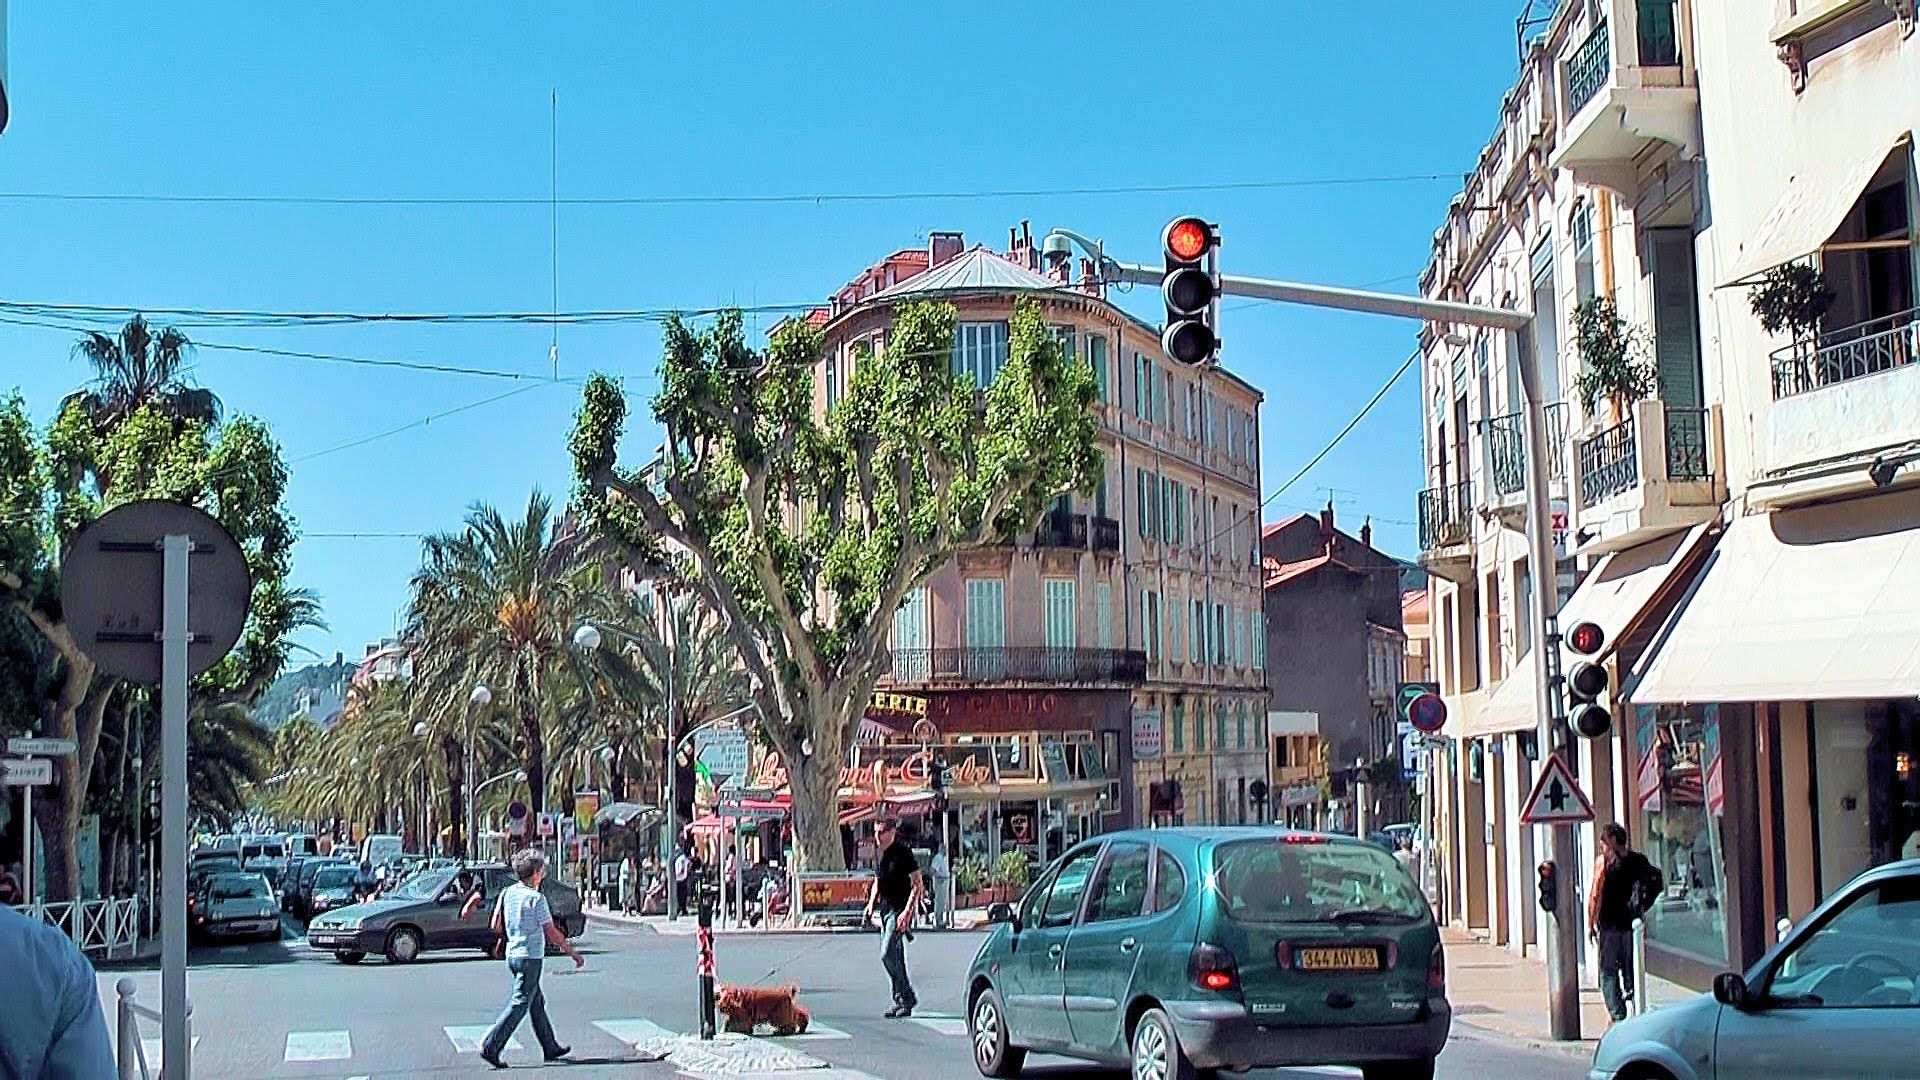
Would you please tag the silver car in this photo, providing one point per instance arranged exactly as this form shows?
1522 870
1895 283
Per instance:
238 905
1838 997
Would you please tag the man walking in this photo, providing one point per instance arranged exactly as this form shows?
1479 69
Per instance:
1625 885
521 914
942 889
896 893
626 885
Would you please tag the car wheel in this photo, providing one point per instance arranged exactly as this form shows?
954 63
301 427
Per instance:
1156 1050
350 956
993 1055
1421 1069
403 945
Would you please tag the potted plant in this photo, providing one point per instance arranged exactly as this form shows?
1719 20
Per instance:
1012 873
1614 358
969 877
1793 297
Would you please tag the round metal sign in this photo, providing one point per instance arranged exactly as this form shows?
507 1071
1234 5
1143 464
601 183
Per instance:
1427 713
111 588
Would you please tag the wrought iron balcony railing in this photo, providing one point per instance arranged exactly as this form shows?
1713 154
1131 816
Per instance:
1851 352
1062 530
1105 532
1687 444
1506 438
1019 664
1445 515
1588 69
1609 464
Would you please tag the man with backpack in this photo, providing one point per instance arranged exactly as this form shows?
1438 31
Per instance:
1625 885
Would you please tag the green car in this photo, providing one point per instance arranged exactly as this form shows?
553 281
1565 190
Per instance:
1176 950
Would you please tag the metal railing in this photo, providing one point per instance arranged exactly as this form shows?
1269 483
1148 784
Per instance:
1019 664
1687 444
1445 515
130 1050
1609 464
1060 529
1588 69
1507 449
1851 352
1105 532
104 925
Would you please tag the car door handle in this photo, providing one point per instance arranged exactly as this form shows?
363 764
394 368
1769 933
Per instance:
1128 944
1053 951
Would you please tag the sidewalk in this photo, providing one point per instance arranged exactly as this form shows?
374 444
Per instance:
686 926
1494 990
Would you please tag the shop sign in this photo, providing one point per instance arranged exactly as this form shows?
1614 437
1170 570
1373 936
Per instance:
905 704
1053 755
1716 788
891 770
834 892
585 805
1017 823
1300 794
1147 734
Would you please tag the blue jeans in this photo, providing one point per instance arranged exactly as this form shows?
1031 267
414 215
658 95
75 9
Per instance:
526 998
893 957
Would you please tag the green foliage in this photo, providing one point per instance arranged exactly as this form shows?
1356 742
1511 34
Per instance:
1614 356
1013 870
969 875
1793 297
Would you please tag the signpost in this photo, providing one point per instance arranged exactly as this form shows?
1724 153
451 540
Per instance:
30 747
1556 798
26 773
157 592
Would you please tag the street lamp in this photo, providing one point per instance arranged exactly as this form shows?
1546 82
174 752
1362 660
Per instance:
587 638
480 698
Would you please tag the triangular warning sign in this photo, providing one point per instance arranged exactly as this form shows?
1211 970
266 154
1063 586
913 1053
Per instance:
1557 798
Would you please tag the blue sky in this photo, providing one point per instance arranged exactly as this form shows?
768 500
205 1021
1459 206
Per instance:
422 100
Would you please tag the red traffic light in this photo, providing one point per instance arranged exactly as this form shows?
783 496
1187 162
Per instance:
1586 638
1188 238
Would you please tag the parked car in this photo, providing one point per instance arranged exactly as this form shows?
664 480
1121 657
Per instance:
1839 995
289 880
424 914
382 849
331 888
301 844
1172 951
237 905
303 885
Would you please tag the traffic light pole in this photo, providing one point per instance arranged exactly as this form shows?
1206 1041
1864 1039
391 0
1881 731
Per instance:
1563 931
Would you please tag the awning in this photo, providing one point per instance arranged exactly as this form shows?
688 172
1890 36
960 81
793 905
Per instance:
1615 595
1815 604
1811 208
621 814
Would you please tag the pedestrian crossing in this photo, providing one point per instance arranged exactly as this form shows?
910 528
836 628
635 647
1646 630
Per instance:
940 1025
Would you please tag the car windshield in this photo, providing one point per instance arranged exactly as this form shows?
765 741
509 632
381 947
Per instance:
426 885
239 886
333 877
1294 881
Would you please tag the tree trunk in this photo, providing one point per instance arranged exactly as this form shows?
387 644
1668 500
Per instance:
60 807
530 731
456 795
815 784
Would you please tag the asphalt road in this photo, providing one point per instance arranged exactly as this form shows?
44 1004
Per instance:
278 1010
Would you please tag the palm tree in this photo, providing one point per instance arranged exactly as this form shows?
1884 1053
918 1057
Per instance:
138 368
497 604
227 754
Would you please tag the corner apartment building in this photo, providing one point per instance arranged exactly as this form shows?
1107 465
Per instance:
1744 533
1103 671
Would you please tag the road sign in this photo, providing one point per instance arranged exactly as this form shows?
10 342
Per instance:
1427 713
41 747
723 750
26 772
1557 798
110 588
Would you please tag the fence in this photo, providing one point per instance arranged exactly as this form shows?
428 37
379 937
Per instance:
1851 352
107 925
130 1048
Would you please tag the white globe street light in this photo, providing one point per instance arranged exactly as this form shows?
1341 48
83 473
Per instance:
481 696
587 638
420 730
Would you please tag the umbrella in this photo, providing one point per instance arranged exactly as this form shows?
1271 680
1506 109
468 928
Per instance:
621 814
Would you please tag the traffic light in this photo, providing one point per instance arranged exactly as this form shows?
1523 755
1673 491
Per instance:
938 780
1587 683
1190 287
1549 887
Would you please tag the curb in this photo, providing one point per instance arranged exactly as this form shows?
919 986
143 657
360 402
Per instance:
1583 1049
781 931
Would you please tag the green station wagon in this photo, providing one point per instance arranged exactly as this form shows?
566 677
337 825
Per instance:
1176 950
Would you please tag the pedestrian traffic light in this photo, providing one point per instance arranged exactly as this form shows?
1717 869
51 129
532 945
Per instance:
1587 683
1190 287
1549 887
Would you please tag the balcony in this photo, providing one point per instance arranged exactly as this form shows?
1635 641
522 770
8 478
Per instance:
1060 529
1505 440
1650 474
1627 85
1850 392
1446 531
1051 666
1106 534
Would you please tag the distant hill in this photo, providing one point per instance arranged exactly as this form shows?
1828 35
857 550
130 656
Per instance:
318 687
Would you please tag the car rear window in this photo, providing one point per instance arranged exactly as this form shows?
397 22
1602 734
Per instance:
334 876
1291 881
238 886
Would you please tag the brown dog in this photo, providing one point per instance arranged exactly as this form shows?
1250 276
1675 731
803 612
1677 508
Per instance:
747 1007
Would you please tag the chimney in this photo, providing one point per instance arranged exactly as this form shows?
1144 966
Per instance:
339 658
1326 528
944 247
1366 533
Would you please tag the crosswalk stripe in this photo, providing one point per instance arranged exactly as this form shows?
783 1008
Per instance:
319 1045
466 1038
815 1030
151 1047
635 1031
942 1025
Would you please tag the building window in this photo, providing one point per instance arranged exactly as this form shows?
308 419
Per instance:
1142 387
980 351
1253 439
986 613
1221 718
1060 613
1165 402
1681 790
833 382
1097 356
1583 251
910 622
1258 628
1067 337
1179 725
1145 494
1150 624
1197 631
1103 594
1199 727
1240 725
1193 412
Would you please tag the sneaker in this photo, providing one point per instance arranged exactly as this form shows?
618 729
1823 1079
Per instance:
559 1054
492 1059
899 1011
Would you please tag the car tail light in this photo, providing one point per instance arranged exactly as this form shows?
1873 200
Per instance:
1213 968
1437 970
1302 838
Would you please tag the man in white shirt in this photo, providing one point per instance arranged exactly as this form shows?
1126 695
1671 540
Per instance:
521 914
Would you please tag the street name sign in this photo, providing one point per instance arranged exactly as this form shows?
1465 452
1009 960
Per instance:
20 772
30 747
1556 798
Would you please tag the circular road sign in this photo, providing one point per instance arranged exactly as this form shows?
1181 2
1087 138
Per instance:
111 588
517 810
1427 713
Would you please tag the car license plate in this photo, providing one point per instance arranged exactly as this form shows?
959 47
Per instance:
1342 959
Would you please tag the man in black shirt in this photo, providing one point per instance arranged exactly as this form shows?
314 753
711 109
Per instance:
1625 885
896 893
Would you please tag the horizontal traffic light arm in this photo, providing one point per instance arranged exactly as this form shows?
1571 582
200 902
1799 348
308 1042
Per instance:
1409 307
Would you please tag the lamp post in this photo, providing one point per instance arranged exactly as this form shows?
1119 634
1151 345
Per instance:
588 639
480 698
